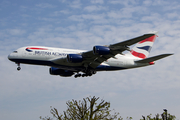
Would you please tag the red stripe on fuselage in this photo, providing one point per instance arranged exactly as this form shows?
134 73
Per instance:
150 39
34 48
139 55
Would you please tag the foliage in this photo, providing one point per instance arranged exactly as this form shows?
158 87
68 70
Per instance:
90 109
164 116
87 109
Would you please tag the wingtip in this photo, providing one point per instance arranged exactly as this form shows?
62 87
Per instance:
170 54
153 32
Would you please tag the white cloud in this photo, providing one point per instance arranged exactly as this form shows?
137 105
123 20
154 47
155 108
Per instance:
118 15
59 13
97 1
15 31
47 19
173 15
25 15
147 2
127 12
45 5
123 2
151 18
62 1
94 8
97 18
160 2
75 4
64 11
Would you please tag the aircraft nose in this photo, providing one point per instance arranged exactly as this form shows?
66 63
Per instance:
13 56
10 57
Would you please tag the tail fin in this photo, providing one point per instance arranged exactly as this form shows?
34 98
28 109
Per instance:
143 48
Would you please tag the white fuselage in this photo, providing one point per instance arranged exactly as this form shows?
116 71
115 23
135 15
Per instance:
39 55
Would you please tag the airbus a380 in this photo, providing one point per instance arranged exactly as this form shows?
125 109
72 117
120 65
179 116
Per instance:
68 62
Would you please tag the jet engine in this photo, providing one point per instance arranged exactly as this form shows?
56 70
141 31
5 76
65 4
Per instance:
61 72
74 58
101 50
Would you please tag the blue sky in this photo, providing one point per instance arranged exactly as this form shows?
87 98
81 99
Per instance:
80 24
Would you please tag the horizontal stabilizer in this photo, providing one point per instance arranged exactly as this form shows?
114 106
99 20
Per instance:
151 59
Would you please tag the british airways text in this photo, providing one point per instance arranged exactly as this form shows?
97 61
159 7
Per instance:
49 53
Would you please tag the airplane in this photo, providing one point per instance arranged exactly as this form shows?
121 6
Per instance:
83 63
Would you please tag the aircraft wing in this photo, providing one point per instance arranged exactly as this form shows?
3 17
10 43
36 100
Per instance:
94 60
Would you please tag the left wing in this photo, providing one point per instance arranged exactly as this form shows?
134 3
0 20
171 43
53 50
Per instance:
92 59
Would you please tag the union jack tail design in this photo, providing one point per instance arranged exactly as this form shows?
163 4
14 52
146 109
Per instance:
143 48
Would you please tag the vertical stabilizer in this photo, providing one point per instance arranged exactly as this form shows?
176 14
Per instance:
143 48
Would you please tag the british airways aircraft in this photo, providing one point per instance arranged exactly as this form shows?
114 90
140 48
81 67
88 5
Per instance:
68 62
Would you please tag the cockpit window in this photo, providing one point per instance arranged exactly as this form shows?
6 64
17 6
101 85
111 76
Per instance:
15 52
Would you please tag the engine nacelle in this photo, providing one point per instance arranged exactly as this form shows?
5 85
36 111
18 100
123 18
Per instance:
101 50
74 58
61 72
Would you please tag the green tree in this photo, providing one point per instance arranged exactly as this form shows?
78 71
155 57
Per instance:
87 109
92 109
164 116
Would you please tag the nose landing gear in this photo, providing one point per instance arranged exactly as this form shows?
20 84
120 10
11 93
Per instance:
18 68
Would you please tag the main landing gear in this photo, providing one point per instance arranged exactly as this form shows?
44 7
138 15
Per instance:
86 74
18 68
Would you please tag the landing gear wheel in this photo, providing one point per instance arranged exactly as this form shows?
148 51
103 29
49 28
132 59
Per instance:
93 72
87 73
19 68
77 75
